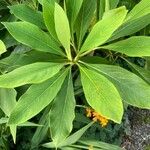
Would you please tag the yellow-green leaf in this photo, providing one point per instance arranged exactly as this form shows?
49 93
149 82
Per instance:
48 15
132 88
7 100
140 10
32 36
2 47
101 94
136 46
103 30
62 28
28 74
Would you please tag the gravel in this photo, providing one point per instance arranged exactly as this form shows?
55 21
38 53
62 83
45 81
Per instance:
140 130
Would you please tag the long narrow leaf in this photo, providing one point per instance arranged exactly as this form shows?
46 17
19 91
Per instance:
140 10
32 36
71 139
32 73
103 30
26 13
48 15
137 46
7 100
131 27
61 118
84 19
36 98
101 145
142 72
63 34
41 132
73 8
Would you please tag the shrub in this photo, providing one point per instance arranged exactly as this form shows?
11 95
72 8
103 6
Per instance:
62 40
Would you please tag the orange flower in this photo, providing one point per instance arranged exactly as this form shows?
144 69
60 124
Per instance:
103 121
95 116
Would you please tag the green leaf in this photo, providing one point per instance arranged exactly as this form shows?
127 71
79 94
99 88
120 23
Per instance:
84 19
7 104
72 148
103 30
109 4
1 114
48 15
98 144
36 98
9 40
101 95
3 4
94 60
26 13
63 34
30 35
78 147
71 139
76 136
142 72
2 48
13 130
32 73
141 9
30 124
136 46
61 118
131 27
16 60
49 145
138 18
132 88
101 6
41 1
7 100
25 124
41 132
147 65
73 8
113 3
3 120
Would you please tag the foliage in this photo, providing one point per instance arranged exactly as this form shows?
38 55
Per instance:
55 64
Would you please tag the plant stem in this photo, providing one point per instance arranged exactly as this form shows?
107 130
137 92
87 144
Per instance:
69 55
81 106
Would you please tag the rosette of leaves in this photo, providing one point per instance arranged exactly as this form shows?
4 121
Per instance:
61 37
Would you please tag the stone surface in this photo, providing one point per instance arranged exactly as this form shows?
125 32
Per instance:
140 130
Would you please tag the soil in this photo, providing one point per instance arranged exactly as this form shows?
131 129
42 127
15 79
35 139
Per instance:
139 138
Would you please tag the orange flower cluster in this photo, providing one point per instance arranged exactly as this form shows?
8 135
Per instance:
96 117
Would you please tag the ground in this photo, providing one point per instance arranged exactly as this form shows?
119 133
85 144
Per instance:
140 130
